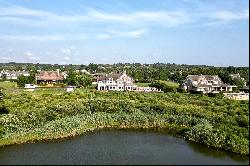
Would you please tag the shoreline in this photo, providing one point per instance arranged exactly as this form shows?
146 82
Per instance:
82 132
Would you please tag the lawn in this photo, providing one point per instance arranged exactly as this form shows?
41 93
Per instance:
8 85
140 84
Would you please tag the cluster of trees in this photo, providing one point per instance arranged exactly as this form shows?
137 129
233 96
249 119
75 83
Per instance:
3 109
78 79
22 80
147 73
226 78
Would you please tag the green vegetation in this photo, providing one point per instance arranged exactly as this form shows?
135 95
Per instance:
22 80
139 84
8 85
166 86
78 79
215 122
140 72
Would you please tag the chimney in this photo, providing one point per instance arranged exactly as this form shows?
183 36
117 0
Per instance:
57 72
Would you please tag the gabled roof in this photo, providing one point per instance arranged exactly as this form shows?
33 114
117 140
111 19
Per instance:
193 77
49 75
114 76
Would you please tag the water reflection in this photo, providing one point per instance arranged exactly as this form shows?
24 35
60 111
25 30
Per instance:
217 153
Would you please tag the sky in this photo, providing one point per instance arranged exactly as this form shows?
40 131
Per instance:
195 32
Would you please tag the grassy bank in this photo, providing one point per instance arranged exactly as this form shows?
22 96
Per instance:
215 122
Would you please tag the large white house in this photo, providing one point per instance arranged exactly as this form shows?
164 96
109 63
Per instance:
206 84
120 82
13 75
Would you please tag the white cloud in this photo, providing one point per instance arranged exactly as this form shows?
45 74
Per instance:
30 56
35 38
12 10
27 53
36 58
129 34
5 58
66 51
228 15
142 19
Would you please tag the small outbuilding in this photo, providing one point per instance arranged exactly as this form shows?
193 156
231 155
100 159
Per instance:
30 87
70 89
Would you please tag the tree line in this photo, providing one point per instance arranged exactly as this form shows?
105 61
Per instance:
147 73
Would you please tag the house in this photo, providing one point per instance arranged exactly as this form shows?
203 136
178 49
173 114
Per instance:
238 77
206 84
13 75
97 77
119 82
83 71
30 87
49 77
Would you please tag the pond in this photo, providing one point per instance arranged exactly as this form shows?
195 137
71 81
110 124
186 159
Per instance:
118 146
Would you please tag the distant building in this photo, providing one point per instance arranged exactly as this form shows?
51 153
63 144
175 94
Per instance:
83 71
13 75
206 84
70 88
98 77
237 96
30 87
237 76
119 82
49 77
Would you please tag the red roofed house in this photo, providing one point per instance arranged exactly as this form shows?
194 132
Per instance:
49 77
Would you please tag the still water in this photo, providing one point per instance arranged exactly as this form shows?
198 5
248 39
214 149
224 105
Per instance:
115 146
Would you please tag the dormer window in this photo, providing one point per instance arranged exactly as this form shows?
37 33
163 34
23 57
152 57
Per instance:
215 82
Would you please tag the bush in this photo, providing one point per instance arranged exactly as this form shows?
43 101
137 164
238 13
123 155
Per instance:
165 86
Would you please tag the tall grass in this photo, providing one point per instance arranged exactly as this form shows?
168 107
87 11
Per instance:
215 122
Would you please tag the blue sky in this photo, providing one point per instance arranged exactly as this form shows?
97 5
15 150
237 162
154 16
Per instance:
111 31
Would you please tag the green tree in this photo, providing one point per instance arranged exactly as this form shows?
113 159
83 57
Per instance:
238 82
22 80
92 67
84 80
3 109
225 77
71 79
4 77
78 79
165 86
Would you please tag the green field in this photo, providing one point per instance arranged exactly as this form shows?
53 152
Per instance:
142 84
8 85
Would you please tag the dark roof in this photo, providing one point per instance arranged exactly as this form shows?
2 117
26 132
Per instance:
196 77
193 77
103 76
114 76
